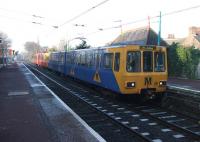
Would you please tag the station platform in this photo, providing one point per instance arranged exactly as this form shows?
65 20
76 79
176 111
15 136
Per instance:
30 112
187 84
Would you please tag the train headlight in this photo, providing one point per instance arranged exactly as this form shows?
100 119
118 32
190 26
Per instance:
130 84
162 83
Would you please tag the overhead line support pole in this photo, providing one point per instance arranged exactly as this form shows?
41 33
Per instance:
159 31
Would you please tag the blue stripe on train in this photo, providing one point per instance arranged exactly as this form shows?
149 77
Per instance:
107 77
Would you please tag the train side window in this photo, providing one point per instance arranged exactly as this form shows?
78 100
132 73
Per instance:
117 62
133 63
108 59
88 59
82 59
96 59
92 62
68 56
147 61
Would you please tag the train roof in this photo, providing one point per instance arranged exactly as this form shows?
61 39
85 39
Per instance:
108 46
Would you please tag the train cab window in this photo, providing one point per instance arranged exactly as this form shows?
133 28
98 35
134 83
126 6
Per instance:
159 61
147 61
117 62
108 59
133 63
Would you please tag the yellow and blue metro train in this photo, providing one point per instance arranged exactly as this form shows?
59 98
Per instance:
126 69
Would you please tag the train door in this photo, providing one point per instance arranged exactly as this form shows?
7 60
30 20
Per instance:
97 57
74 62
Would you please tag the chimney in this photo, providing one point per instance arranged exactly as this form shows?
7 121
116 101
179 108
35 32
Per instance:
171 36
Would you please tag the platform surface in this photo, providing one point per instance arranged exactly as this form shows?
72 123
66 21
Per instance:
184 83
30 113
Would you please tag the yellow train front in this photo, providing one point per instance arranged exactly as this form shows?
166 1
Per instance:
142 70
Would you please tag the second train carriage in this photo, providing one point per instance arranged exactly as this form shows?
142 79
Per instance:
41 59
127 69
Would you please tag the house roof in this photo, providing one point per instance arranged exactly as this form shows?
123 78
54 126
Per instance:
140 36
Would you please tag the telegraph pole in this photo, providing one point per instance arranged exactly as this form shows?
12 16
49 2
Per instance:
159 30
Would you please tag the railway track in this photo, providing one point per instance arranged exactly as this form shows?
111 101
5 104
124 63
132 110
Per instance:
121 121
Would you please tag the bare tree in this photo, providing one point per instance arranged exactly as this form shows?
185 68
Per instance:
5 42
31 49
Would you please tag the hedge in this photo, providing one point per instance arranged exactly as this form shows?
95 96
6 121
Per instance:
183 61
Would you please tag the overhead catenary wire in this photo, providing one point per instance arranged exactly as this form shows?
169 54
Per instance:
21 12
144 19
83 13
27 21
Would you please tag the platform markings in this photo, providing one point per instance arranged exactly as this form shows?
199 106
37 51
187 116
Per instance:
36 85
17 93
27 73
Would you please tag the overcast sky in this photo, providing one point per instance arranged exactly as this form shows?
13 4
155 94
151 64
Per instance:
16 19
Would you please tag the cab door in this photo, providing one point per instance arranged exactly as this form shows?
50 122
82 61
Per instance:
148 68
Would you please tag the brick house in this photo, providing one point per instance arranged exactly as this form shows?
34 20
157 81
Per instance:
193 38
